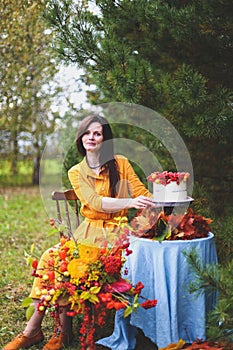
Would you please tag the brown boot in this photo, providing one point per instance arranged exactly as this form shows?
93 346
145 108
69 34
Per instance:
23 342
58 340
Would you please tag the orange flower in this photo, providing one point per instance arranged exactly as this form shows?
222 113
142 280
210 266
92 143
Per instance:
77 268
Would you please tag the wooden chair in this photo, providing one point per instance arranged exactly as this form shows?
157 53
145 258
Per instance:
62 199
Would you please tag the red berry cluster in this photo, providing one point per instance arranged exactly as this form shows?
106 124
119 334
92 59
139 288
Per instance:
110 302
87 330
112 263
149 304
137 289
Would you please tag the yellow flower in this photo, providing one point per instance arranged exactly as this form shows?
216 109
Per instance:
71 245
77 268
89 253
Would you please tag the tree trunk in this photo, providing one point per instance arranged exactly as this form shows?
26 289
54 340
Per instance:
36 171
15 153
36 164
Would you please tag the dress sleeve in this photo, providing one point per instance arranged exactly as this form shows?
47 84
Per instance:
136 187
85 190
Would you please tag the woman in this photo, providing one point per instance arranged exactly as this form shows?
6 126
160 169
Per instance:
103 183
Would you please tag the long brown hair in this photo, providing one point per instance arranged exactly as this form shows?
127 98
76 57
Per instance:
106 152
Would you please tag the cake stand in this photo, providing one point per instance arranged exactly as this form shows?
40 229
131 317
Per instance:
169 206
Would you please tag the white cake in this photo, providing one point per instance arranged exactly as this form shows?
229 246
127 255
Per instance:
169 187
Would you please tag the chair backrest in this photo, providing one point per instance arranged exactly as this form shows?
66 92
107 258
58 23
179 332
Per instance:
65 197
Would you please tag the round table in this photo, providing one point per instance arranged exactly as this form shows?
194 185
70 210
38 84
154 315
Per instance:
165 273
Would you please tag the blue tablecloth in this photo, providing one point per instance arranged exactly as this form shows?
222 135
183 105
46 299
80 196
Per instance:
165 273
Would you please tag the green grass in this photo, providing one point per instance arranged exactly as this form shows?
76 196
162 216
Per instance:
23 221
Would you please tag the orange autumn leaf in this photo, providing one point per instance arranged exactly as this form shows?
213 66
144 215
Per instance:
174 346
203 346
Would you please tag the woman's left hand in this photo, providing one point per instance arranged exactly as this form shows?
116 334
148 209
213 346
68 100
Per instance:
141 202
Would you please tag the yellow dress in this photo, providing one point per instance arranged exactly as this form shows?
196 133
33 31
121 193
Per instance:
90 189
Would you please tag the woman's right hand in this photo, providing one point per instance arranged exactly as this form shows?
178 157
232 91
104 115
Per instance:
142 202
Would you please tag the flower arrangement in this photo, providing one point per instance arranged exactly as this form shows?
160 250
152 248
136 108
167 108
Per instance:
161 226
88 279
166 177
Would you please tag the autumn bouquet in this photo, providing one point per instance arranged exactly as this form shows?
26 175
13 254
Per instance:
149 223
88 279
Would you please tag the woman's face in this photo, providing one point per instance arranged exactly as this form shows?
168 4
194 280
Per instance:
93 137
